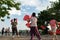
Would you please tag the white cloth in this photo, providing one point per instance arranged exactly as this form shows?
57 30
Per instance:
33 22
49 27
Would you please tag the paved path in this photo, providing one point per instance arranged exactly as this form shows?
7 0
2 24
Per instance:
44 37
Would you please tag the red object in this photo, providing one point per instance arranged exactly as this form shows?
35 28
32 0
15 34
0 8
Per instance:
28 25
50 32
57 31
43 27
26 17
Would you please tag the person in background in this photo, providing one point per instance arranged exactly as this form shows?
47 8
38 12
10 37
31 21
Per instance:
3 31
33 27
53 27
14 27
8 31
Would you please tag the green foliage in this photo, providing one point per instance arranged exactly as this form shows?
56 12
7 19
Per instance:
46 15
43 16
2 20
6 5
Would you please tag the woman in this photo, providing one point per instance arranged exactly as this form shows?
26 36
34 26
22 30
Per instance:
53 27
33 27
14 27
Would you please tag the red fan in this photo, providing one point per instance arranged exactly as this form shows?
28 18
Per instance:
28 25
26 17
57 31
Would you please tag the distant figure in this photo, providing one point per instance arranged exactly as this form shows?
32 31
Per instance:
53 27
14 27
33 27
8 31
3 31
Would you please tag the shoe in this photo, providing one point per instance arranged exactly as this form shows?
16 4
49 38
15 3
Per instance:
18 36
13 36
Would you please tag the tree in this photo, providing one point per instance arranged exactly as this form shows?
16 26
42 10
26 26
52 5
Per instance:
47 14
6 5
43 16
55 9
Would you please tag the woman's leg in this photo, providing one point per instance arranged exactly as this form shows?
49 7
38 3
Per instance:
2 32
32 36
16 31
13 31
32 33
37 33
54 33
54 36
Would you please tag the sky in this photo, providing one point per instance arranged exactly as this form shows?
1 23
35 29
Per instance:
27 7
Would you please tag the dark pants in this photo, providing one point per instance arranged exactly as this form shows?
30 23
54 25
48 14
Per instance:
14 30
34 31
2 32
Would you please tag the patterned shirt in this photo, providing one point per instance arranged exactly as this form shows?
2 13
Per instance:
14 24
33 22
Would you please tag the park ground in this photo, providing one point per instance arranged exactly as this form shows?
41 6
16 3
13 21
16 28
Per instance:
44 37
